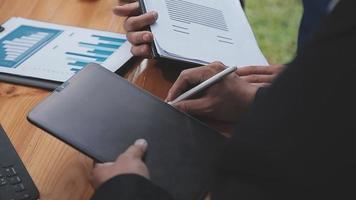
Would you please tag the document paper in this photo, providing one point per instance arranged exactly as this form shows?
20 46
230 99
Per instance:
203 31
54 52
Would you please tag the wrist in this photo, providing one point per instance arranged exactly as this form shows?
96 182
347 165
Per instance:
251 95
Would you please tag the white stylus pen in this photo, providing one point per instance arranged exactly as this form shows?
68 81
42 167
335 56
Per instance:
203 85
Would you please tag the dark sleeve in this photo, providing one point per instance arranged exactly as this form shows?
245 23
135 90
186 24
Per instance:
297 142
314 12
130 187
261 92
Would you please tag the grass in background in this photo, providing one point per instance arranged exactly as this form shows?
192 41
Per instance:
275 24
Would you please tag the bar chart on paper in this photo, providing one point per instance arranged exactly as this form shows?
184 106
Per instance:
23 42
53 52
96 49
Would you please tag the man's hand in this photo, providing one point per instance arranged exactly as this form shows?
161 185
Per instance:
129 162
225 101
136 26
260 75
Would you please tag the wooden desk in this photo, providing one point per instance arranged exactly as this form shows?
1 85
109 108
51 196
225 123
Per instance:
59 171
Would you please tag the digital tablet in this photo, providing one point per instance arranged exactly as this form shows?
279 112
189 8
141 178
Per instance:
101 114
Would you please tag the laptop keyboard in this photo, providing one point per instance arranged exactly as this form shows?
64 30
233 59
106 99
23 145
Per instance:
15 182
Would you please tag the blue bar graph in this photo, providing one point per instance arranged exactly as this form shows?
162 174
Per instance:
101 52
78 64
97 51
102 45
75 70
104 38
99 59
23 42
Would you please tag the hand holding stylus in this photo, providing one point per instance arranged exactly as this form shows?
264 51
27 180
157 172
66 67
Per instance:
224 96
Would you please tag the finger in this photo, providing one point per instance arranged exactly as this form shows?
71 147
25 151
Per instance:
140 22
261 84
103 164
217 65
131 9
196 107
245 71
184 81
192 77
143 50
122 2
258 78
137 150
138 38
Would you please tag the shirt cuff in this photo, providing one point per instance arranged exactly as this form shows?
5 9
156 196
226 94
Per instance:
129 187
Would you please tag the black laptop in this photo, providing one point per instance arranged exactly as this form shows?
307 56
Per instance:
101 114
15 181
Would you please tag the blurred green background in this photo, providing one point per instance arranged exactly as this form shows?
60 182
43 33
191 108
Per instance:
275 24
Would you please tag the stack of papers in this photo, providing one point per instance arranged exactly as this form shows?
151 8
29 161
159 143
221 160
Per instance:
203 31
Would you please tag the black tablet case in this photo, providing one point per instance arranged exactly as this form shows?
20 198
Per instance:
29 81
101 114
37 82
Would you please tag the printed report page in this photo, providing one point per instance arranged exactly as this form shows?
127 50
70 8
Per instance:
204 31
54 52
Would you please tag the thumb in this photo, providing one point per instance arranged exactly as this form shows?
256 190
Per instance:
138 149
127 9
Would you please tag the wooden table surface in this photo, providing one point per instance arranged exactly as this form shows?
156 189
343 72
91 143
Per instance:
59 171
